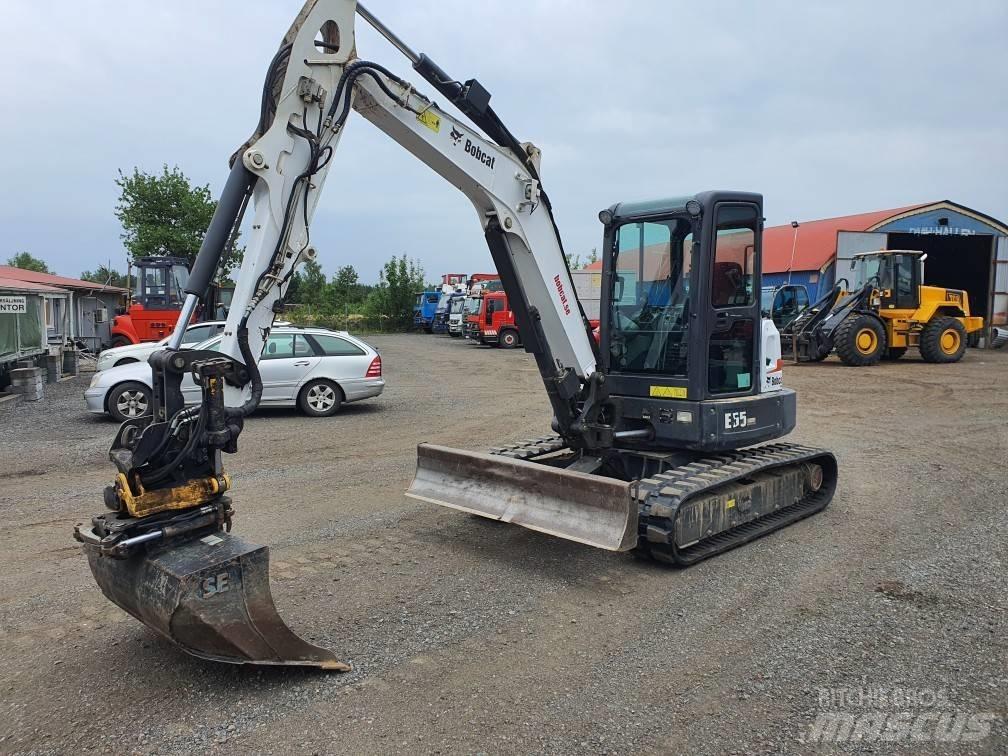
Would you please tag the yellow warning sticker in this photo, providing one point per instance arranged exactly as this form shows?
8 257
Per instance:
669 392
730 503
430 120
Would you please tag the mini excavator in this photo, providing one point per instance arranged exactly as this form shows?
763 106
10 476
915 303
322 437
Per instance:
653 442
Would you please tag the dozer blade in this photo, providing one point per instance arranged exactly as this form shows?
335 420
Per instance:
589 509
211 597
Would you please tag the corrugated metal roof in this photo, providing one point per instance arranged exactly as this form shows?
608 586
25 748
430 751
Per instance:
817 239
48 279
12 284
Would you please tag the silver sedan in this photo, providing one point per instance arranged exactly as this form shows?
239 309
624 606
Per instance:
312 368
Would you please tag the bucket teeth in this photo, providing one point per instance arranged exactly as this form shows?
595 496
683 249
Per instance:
589 509
211 597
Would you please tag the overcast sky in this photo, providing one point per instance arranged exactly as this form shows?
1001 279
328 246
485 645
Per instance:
825 108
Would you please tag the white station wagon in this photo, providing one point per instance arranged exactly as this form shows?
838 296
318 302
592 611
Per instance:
313 368
194 334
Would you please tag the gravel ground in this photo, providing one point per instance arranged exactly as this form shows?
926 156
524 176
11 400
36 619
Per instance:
471 636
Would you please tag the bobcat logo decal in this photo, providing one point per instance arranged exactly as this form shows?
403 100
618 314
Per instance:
456 136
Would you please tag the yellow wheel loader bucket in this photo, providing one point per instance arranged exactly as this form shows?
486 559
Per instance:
589 509
210 596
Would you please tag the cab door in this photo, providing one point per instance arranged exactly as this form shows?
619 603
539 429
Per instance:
733 314
901 282
287 359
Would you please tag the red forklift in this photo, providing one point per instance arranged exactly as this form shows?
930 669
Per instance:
156 300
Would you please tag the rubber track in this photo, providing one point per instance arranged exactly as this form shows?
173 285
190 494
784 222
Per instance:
660 496
529 448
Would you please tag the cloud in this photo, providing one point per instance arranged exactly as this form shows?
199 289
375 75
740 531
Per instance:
825 108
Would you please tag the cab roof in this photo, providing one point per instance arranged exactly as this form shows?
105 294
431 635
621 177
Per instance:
877 252
641 209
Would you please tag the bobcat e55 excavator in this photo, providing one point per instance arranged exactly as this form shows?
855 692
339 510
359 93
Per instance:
650 429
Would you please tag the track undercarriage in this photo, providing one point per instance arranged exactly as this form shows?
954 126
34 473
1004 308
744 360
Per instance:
679 507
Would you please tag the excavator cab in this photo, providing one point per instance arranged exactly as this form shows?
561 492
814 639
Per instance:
682 331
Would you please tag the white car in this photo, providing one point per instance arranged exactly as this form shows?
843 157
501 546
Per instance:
124 355
312 368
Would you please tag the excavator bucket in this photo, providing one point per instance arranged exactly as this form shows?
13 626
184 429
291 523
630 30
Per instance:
211 597
589 509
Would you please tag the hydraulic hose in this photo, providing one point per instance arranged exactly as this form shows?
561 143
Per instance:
254 376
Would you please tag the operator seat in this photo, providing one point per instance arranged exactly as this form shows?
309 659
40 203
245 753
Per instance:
728 286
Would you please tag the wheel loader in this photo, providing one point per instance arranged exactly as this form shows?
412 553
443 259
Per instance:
891 312
653 430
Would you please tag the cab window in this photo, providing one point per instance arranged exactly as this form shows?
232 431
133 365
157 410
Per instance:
196 334
801 299
652 263
286 345
734 254
730 348
334 346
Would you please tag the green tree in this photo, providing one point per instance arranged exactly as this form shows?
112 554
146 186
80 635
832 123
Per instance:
575 262
106 276
312 286
401 278
26 261
344 289
293 292
166 215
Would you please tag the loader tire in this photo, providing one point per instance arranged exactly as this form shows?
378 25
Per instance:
894 353
860 340
943 340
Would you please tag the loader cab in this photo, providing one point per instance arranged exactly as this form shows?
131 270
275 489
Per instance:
895 273
681 326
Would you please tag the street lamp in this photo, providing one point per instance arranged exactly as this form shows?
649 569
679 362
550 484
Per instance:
794 245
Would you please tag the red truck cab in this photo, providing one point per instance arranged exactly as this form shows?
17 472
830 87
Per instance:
495 323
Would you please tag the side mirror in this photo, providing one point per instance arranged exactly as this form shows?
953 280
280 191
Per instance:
852 264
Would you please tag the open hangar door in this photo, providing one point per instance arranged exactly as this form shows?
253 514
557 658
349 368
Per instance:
955 262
